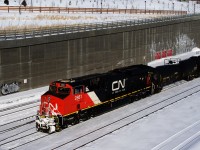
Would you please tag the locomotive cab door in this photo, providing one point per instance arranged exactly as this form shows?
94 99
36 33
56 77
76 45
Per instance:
79 95
151 81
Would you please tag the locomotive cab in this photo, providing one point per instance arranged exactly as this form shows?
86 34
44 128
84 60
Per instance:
62 103
48 115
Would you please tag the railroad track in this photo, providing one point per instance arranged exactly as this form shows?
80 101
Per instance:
101 131
17 110
125 121
10 134
35 136
26 137
181 140
17 123
19 105
174 85
30 133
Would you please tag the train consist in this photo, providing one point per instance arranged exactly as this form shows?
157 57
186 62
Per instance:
67 102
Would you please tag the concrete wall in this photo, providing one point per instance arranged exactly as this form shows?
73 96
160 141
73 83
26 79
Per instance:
35 62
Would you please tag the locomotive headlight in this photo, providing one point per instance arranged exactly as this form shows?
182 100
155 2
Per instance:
51 120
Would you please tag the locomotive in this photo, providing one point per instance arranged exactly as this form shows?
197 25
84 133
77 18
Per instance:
69 101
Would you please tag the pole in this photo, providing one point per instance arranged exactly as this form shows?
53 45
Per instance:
32 5
101 6
181 9
145 7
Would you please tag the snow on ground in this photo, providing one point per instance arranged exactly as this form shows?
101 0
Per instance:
16 20
20 98
195 146
35 20
146 133
142 134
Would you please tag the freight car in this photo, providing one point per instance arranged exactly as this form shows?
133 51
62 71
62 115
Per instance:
176 69
69 101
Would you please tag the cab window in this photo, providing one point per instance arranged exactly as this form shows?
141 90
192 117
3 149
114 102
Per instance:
52 88
62 90
78 89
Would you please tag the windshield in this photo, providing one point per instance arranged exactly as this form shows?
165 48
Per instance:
62 90
59 91
52 88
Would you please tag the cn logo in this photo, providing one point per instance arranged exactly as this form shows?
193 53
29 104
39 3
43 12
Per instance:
116 85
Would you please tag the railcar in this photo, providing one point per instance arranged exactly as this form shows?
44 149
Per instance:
69 101
161 62
188 68
196 59
170 73
175 69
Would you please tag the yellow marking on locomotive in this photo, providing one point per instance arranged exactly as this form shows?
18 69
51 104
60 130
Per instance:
111 100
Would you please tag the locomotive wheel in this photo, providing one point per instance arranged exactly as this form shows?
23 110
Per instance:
131 100
93 113
88 115
65 126
58 128
75 120
85 115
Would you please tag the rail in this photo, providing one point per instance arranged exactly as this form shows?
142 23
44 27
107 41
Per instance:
21 9
66 29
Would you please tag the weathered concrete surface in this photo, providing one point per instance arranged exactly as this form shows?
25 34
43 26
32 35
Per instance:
41 60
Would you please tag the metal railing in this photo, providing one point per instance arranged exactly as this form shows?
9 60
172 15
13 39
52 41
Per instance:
21 9
41 32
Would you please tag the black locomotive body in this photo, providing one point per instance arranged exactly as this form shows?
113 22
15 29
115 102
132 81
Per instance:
114 84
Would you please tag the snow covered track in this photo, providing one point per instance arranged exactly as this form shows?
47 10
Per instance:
113 126
17 109
181 140
23 138
17 117
16 124
174 85
89 131
21 134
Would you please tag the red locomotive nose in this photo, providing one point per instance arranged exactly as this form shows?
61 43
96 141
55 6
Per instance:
44 107
49 106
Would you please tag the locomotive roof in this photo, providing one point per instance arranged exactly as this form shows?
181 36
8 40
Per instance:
134 69
77 80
